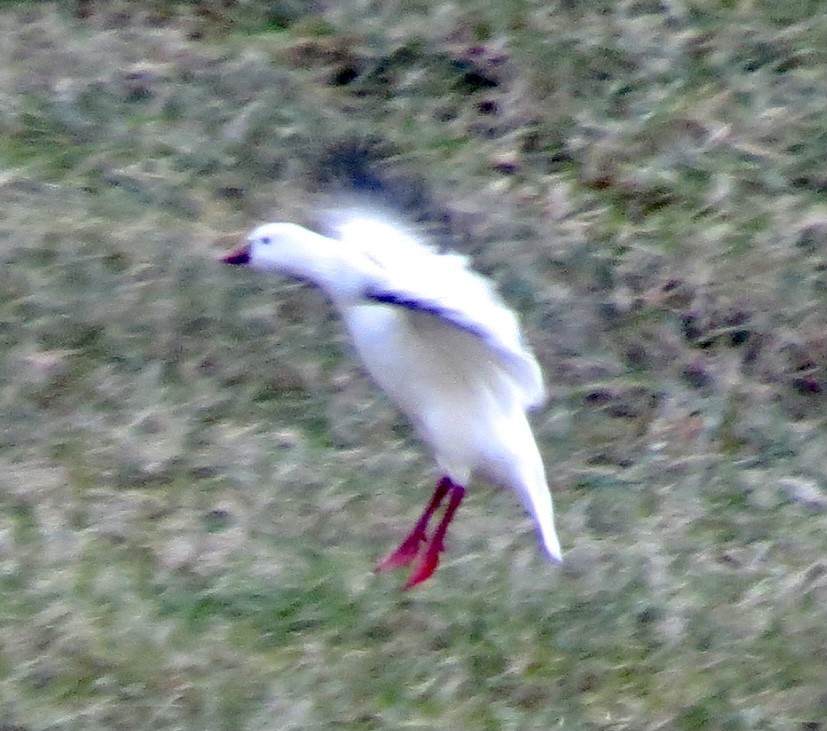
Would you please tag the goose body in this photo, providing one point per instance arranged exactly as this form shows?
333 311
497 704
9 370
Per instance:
438 340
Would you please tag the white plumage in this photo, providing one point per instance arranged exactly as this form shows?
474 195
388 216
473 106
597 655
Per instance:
440 342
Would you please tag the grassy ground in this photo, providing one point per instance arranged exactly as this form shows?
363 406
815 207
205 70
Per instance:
195 480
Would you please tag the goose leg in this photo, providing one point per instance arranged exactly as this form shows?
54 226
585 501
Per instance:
409 548
427 565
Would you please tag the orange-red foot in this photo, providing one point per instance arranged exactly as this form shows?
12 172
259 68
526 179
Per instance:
409 550
430 559
423 569
404 555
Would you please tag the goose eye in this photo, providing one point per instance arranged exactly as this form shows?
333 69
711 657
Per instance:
265 239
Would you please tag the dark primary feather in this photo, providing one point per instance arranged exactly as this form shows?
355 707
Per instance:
419 305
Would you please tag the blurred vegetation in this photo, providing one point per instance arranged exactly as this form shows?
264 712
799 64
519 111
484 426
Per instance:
196 479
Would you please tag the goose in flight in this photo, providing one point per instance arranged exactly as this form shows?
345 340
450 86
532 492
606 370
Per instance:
437 338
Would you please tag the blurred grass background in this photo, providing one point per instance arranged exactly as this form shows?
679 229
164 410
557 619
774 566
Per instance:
195 479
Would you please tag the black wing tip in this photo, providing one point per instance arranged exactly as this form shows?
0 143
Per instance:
409 303
445 314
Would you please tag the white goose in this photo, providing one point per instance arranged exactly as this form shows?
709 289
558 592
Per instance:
437 338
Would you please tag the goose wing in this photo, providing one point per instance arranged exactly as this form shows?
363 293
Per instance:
410 274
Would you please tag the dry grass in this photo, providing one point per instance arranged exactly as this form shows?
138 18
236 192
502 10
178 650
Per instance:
195 480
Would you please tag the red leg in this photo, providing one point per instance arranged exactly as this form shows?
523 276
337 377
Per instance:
430 559
409 548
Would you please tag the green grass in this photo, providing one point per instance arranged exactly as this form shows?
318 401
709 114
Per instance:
195 480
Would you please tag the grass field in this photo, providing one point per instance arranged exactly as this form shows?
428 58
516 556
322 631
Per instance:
196 479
